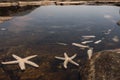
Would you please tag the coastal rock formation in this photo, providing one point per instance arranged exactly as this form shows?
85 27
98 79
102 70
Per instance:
21 3
49 68
104 65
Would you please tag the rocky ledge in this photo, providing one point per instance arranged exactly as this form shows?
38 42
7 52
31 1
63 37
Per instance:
104 65
21 3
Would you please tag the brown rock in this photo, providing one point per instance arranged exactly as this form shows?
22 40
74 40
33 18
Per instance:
104 65
3 75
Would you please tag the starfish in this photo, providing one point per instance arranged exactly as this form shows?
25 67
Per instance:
80 45
67 59
97 42
86 42
90 53
22 61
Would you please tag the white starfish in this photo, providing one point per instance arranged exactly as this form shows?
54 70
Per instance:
90 53
88 37
85 42
67 59
22 61
97 42
80 45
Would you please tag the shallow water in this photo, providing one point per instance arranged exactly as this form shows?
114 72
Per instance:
64 24
49 31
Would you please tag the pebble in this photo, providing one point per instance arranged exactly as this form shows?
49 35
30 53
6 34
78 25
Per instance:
3 29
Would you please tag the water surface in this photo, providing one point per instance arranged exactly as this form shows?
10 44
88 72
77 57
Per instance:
64 24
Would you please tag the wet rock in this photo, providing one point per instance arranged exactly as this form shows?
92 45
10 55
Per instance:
104 65
50 68
118 23
3 75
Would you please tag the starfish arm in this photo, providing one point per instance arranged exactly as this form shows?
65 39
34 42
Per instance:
30 57
16 57
73 56
65 54
65 63
80 45
32 63
61 58
10 62
22 65
89 52
73 62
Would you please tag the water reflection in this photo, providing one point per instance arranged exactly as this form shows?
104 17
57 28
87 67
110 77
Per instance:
6 13
67 24
18 11
118 23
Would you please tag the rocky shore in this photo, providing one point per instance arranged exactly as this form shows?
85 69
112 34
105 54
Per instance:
18 5
40 3
25 3
104 65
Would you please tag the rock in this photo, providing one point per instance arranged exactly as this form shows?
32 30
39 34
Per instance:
104 65
50 68
118 23
3 75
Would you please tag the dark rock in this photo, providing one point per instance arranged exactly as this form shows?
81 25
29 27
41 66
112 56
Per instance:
3 75
118 23
49 67
15 11
104 65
